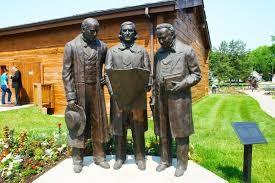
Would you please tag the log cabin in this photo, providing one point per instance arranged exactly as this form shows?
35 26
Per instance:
37 48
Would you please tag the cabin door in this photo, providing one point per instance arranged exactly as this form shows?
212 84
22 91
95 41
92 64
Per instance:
30 73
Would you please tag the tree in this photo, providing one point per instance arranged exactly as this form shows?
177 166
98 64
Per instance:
229 62
273 39
273 54
263 60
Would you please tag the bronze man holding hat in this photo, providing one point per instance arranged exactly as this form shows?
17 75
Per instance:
176 70
85 115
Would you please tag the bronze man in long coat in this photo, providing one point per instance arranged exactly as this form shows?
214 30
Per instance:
84 57
128 55
176 70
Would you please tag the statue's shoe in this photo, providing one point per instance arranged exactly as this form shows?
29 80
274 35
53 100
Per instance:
161 167
141 164
118 164
103 164
179 172
78 168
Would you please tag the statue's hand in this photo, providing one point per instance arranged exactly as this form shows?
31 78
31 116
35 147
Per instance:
152 101
147 87
177 86
102 81
72 105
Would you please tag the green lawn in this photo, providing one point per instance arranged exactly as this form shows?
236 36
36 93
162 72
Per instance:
32 120
216 146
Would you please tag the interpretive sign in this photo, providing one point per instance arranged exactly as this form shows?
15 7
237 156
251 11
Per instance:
248 133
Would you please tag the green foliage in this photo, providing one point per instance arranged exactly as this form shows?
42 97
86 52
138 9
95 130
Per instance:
262 60
273 40
272 48
229 61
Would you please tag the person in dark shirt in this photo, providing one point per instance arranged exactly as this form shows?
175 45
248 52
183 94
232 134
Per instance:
16 83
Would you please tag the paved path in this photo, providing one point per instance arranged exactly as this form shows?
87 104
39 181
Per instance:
266 102
8 107
129 173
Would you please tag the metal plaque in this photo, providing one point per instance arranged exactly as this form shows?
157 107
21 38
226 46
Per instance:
249 133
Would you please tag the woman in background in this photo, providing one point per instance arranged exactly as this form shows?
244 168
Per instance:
5 87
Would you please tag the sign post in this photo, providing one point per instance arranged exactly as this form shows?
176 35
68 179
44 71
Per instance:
249 134
247 162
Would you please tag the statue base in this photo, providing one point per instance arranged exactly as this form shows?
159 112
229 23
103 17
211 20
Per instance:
129 172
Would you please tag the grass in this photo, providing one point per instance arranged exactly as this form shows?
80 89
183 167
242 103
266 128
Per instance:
32 120
216 146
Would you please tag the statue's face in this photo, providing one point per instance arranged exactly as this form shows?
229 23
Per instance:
165 37
128 33
89 32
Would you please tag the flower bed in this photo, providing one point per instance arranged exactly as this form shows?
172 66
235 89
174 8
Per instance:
28 154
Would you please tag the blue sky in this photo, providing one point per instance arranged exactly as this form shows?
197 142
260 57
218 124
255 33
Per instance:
251 21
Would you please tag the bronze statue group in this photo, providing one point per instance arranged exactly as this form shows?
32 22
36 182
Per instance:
175 71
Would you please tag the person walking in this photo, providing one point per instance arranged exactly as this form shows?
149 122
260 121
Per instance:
214 88
5 87
16 83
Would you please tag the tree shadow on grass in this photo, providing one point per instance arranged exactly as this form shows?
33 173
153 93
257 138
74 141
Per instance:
231 172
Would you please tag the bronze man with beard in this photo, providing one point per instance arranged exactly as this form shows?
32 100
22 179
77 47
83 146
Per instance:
84 57
176 70
128 55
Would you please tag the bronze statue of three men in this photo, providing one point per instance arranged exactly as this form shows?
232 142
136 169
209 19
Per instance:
175 71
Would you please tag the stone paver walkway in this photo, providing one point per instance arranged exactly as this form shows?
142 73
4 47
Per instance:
8 107
266 102
129 173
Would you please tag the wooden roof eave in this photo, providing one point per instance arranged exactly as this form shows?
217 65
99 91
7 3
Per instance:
205 29
100 15
197 4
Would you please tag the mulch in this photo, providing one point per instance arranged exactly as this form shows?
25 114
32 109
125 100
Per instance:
47 168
